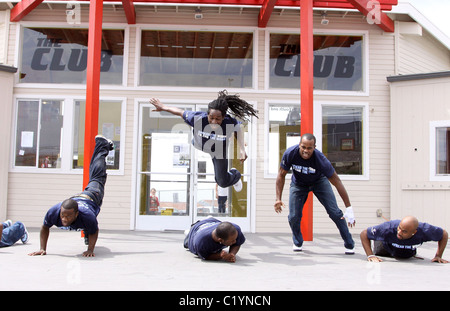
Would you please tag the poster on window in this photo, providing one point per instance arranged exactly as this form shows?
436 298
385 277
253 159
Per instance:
181 156
27 139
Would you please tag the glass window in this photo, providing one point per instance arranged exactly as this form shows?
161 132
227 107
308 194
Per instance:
342 138
109 125
59 55
442 150
284 132
338 62
196 58
38 133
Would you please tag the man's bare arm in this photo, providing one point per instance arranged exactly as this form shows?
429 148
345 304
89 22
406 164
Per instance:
44 234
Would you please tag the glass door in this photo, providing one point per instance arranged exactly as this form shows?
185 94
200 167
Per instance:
211 200
164 184
175 181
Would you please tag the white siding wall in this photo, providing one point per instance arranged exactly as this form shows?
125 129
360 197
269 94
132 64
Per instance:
6 84
30 195
4 16
414 105
422 54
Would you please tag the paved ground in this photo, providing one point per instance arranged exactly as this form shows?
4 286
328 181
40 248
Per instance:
157 261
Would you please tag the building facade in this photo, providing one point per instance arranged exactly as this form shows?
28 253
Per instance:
184 55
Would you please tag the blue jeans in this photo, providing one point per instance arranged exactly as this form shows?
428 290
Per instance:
12 234
97 172
324 193
224 178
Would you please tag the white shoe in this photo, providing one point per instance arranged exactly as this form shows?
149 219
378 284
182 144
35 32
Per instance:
296 248
238 186
349 251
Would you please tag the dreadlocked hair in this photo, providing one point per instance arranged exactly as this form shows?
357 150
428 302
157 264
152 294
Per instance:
238 106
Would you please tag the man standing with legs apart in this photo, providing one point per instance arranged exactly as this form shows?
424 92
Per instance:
80 211
312 171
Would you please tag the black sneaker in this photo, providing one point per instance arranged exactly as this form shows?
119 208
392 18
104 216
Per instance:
110 142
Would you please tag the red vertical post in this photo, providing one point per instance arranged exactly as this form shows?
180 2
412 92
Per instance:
306 97
92 83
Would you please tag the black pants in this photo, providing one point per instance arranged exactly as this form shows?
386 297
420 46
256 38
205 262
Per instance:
97 172
225 178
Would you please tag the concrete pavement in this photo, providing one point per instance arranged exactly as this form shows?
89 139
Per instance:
157 261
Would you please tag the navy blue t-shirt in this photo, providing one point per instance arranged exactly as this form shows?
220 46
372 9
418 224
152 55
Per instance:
207 140
387 233
306 172
201 242
86 220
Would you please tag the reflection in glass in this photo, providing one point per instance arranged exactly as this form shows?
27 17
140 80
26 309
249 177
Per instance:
59 55
26 133
226 203
337 62
109 125
442 151
196 58
50 134
168 198
207 201
166 166
38 133
284 132
342 138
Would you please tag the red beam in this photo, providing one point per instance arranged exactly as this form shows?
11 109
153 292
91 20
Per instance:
92 83
346 5
328 4
306 96
265 12
246 2
201 2
374 14
130 12
22 8
381 2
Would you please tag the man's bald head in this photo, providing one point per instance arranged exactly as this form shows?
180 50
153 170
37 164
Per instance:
407 227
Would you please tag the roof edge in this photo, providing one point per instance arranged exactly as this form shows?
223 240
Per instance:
409 9
7 68
419 76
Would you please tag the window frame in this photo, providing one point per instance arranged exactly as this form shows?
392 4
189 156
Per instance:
318 109
267 104
67 135
318 106
39 102
139 29
434 125
341 32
